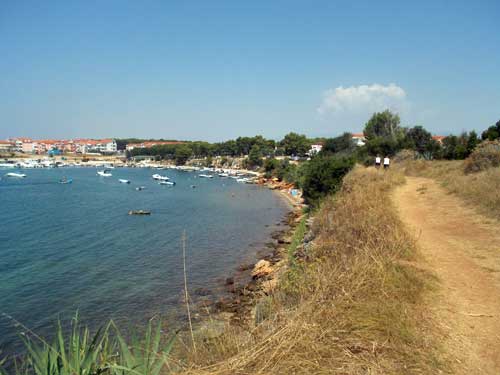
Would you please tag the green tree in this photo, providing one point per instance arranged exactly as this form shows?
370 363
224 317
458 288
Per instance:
472 142
382 146
255 157
323 175
383 124
182 153
342 143
419 138
295 144
492 133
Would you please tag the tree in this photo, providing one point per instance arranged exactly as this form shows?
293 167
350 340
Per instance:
323 175
472 142
419 138
295 144
492 133
382 146
342 143
181 154
255 156
383 124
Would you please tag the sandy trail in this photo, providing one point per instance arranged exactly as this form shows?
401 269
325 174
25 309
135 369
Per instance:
462 248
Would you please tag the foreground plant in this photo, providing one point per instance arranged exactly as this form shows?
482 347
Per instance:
105 352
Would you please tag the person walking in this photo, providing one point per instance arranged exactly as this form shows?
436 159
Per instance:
387 161
377 162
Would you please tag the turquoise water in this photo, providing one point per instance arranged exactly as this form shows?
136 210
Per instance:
73 247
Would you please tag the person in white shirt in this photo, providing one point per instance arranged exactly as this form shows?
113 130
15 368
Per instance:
386 162
377 162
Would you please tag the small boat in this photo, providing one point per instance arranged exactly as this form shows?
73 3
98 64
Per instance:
205 176
223 174
65 180
156 176
244 180
193 186
139 188
170 183
16 175
104 173
123 181
139 212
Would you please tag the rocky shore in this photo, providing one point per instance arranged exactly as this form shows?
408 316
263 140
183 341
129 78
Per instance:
250 281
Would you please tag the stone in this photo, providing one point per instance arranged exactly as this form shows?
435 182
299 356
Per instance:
261 269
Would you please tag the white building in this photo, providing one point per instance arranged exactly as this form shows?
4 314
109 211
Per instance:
315 149
359 139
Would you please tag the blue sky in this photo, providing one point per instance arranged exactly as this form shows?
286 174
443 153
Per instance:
215 70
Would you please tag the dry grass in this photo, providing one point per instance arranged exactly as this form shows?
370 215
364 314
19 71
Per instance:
479 189
356 307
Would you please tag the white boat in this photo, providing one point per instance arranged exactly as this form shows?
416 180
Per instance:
158 177
16 175
7 165
244 180
123 181
139 188
170 183
104 173
223 174
205 176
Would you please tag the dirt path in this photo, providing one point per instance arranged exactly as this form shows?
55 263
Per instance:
463 249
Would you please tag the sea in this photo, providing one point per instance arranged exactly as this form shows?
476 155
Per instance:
73 248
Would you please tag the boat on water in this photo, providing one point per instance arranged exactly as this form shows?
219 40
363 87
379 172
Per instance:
159 177
139 188
65 180
104 173
170 183
8 165
139 212
15 175
123 181
205 176
223 174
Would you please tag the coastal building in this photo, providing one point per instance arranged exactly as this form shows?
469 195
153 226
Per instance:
6 146
439 138
315 149
102 146
131 146
359 139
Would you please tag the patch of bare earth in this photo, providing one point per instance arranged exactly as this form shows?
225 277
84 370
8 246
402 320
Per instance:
463 249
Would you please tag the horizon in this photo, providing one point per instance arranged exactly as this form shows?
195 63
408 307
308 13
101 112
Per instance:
217 71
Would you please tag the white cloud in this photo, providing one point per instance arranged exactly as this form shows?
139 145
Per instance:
363 98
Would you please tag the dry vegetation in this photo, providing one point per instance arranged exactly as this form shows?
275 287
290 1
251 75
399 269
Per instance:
479 189
355 307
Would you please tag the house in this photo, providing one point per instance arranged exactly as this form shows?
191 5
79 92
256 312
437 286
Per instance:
359 139
6 146
315 149
439 138
103 146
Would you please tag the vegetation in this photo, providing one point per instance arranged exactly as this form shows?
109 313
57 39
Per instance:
105 352
355 306
479 189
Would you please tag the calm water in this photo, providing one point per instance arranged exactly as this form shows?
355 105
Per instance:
73 247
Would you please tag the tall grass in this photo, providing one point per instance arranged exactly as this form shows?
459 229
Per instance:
357 303
479 189
104 352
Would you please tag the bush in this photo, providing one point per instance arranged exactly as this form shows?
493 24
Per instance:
485 156
323 175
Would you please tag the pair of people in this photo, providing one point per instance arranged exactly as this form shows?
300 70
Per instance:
378 161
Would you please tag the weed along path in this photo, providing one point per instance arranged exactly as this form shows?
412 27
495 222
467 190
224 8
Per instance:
462 248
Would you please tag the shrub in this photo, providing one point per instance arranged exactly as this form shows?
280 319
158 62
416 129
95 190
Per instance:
485 156
323 175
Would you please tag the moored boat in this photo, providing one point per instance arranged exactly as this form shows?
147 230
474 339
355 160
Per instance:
139 212
15 175
104 173
170 183
159 177
65 180
123 181
205 176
